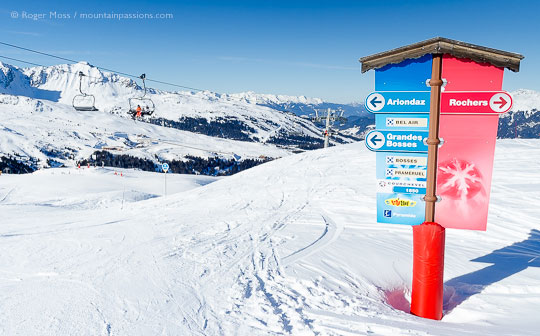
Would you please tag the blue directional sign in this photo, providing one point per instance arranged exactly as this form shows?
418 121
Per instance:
401 102
165 167
397 141
398 102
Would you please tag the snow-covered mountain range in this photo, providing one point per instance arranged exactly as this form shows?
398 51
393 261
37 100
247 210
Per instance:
39 124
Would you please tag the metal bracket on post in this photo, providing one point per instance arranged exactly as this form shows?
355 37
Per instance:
438 198
444 82
441 142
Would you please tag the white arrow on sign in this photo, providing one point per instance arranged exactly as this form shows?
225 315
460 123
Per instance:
500 102
375 101
375 140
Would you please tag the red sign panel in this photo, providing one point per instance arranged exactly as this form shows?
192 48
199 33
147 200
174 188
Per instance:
465 164
466 75
476 102
468 126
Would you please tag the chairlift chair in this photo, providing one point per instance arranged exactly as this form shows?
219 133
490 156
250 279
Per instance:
146 104
83 101
340 118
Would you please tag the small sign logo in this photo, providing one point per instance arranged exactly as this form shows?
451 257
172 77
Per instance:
387 213
400 202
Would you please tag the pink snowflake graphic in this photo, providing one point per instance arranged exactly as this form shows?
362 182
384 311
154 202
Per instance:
459 180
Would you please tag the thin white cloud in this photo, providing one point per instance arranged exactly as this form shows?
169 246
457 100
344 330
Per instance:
324 66
23 33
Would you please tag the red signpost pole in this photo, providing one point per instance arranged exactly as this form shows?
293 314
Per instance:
429 237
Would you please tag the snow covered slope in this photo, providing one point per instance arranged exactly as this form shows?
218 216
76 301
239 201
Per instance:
39 125
60 83
112 92
54 134
288 247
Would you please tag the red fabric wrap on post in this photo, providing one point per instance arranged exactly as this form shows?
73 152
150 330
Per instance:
428 269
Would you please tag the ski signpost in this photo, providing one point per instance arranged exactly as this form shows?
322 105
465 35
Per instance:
165 168
429 182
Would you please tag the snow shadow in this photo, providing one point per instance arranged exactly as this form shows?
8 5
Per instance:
51 95
506 262
397 298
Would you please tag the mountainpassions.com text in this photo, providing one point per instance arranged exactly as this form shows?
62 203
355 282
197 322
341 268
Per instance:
55 15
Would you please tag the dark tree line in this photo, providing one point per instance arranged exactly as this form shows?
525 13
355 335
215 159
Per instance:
227 128
518 125
192 165
297 140
230 128
119 161
9 164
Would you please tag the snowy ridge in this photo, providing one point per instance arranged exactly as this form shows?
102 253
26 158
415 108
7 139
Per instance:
266 99
39 124
289 247
60 83
523 120
525 100
43 130
13 81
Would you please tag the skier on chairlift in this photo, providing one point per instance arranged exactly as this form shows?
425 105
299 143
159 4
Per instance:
138 110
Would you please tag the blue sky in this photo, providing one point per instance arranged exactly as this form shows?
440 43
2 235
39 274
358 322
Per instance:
284 47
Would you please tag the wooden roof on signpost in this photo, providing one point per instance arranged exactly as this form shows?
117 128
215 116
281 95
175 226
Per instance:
441 45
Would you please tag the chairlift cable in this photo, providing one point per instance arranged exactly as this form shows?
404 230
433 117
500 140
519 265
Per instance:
107 69
121 73
18 60
99 67
97 78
